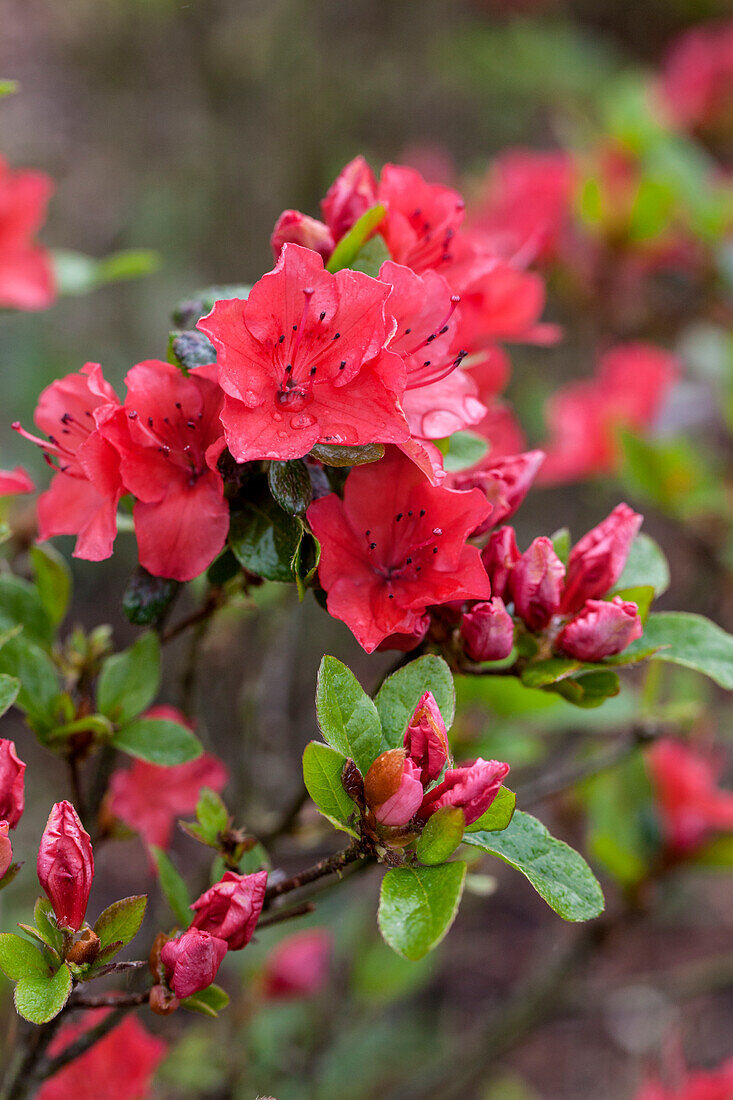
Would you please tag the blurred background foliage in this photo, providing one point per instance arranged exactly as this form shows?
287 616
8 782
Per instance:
184 129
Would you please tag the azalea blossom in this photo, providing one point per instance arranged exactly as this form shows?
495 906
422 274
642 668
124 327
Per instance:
192 960
119 1066
470 787
231 908
6 848
691 805
169 438
298 965
12 784
87 486
394 546
26 272
13 482
696 84
303 361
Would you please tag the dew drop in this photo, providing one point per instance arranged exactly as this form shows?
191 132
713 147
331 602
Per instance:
302 420
251 399
277 416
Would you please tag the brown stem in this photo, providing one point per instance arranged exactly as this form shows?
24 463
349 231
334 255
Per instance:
119 967
109 1000
328 866
212 604
286 914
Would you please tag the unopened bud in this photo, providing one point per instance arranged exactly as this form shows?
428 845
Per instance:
499 557
162 1001
426 739
601 629
66 865
231 908
6 848
472 788
350 195
505 482
292 227
487 630
597 561
191 961
154 962
12 772
392 788
536 584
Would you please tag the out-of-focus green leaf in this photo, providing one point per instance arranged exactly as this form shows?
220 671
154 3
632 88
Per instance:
645 565
463 450
348 248
39 685
129 681
8 87
265 539
158 740
53 580
173 886
9 688
686 639
79 274
623 833
21 605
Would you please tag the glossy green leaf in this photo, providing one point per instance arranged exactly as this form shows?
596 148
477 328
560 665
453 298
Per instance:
291 486
121 921
21 603
265 539
39 685
19 958
147 598
53 580
173 886
441 835
645 565
9 688
558 873
685 639
158 740
333 455
498 815
322 768
400 694
208 1002
45 919
417 906
588 689
129 681
40 998
347 717
352 242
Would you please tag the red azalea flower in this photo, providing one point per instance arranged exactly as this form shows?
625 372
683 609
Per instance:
231 908
13 482
691 804
26 274
697 81
471 787
6 848
192 961
584 417
298 966
169 438
302 362
504 481
716 1084
84 494
394 546
149 798
422 218
118 1067
350 195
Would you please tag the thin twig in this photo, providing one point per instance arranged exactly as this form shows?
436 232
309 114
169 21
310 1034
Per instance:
328 866
113 999
212 604
286 914
119 967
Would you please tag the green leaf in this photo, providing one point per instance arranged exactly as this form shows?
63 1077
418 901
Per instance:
441 835
41 998
417 906
498 815
212 815
334 455
561 544
716 853
371 256
130 680
465 449
645 565
8 87
558 873
39 686
623 832
21 603
174 888
322 768
643 597
80 274
689 640
351 243
45 919
53 580
590 689
265 539
541 673
347 717
121 921
190 349
159 741
209 1001
146 598
291 486
9 688
18 958
400 694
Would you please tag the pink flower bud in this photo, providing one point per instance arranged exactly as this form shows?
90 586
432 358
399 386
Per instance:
598 559
505 483
392 788
426 740
298 966
66 865
536 584
601 629
231 908
191 962
6 848
499 556
12 772
350 195
472 788
487 631
292 227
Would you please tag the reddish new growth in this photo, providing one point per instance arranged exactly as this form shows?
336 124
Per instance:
394 546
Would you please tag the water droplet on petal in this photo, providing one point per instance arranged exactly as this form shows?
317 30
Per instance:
302 420
277 416
282 435
251 399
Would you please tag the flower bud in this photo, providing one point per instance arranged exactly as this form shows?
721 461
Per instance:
85 949
597 561
426 740
350 195
6 848
66 865
191 962
499 556
12 772
505 483
162 1002
292 227
487 631
600 629
298 966
231 908
536 584
392 788
471 788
